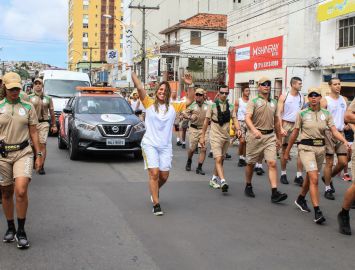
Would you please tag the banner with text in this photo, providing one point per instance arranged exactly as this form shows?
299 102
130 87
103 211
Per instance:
335 8
259 55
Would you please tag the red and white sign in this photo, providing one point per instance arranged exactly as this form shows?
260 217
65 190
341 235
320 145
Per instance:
260 55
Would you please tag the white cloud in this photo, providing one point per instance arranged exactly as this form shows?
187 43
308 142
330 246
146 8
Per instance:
35 19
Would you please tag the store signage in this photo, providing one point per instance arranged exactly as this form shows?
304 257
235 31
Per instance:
335 8
260 55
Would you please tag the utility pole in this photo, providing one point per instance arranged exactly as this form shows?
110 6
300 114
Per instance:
143 9
91 48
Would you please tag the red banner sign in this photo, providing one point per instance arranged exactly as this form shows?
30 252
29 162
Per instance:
260 55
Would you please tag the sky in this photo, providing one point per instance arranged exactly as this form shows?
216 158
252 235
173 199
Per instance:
34 30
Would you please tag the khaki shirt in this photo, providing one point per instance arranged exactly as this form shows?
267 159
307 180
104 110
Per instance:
197 113
42 106
312 124
15 119
262 112
219 132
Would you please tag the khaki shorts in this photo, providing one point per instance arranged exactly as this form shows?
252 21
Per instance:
194 137
288 126
333 146
312 157
258 148
243 128
184 123
16 164
43 129
219 147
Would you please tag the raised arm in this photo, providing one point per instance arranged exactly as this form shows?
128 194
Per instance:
138 84
190 90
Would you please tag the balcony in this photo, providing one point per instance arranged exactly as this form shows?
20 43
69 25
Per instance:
170 48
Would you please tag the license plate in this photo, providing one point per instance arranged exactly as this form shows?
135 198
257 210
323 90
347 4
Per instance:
115 141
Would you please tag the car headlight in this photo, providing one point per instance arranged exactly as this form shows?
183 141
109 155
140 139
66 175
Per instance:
82 125
139 127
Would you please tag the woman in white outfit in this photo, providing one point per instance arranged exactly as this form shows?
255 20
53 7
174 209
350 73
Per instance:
156 143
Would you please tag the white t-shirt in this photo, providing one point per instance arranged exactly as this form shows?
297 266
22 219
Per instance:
337 108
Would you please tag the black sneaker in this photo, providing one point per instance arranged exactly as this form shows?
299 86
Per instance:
299 181
278 197
241 163
42 171
318 217
259 171
302 205
178 143
329 195
188 166
9 235
21 239
331 185
224 187
228 156
248 191
196 150
344 224
200 171
283 179
210 155
157 210
183 146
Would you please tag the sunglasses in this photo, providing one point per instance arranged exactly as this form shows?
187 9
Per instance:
36 83
224 93
266 84
14 90
314 95
198 95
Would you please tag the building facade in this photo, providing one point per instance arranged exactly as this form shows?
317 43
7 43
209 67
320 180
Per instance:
94 28
276 38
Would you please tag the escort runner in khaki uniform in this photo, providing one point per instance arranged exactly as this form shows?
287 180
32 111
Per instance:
196 113
45 113
18 122
262 122
312 123
219 114
349 197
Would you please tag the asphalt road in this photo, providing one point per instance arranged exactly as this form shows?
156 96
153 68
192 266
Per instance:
96 214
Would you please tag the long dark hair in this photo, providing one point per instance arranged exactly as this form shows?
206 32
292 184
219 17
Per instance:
167 96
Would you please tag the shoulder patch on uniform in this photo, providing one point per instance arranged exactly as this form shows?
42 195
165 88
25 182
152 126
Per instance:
255 99
213 105
192 105
325 111
26 105
2 103
305 111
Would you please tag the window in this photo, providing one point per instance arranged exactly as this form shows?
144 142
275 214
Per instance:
347 32
222 41
85 44
196 64
169 38
221 66
195 38
85 7
85 17
85 25
85 34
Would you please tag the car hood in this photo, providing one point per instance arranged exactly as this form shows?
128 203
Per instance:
108 119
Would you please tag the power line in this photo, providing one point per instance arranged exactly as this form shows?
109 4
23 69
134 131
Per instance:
53 42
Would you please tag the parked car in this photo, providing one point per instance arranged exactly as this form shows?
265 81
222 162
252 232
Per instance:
98 120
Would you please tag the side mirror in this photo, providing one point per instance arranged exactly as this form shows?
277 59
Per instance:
138 112
67 110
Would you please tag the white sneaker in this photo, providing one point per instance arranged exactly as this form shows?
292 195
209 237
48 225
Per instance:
214 183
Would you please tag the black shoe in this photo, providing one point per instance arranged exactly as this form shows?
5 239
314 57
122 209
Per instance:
344 224
299 181
210 155
248 191
329 195
157 210
196 151
200 171
331 185
259 171
241 163
42 171
9 235
188 166
302 205
21 239
224 187
178 143
283 179
183 146
228 156
278 197
318 217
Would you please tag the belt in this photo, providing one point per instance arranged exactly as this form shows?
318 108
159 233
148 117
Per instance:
195 126
313 142
42 121
265 132
288 122
5 148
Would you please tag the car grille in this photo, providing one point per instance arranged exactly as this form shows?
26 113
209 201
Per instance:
115 130
102 145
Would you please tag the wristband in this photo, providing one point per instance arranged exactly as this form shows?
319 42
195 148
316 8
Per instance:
40 154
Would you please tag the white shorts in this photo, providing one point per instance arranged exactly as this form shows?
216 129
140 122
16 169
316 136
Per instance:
155 157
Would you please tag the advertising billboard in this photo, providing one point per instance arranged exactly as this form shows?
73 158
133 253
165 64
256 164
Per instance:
335 8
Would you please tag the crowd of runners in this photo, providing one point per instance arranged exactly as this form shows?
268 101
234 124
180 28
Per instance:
318 127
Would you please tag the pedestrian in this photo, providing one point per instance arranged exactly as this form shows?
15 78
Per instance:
43 105
349 136
241 108
336 104
136 104
261 139
196 114
312 124
288 106
349 197
18 122
174 99
156 142
219 115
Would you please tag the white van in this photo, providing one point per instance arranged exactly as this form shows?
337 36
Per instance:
61 84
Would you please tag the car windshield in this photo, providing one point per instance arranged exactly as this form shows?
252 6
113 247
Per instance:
62 88
103 105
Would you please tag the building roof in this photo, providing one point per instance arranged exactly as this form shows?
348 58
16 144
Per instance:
201 21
